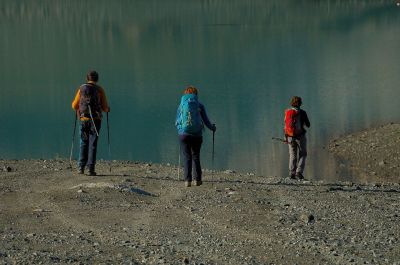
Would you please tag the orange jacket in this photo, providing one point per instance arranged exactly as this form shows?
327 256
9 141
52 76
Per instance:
103 101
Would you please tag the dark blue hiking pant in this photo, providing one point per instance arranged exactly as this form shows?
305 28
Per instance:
88 144
191 146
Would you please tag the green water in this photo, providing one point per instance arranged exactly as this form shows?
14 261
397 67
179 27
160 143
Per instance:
246 57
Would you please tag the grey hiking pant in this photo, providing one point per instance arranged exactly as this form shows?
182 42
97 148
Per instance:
297 154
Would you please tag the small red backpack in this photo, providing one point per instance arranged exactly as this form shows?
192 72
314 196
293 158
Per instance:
292 122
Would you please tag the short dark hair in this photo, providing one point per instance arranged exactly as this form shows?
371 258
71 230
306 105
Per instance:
296 102
92 76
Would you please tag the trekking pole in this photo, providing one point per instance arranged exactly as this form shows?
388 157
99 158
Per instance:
179 163
91 118
109 146
279 139
213 155
73 140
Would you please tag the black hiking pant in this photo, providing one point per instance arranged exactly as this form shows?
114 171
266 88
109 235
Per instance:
88 144
191 146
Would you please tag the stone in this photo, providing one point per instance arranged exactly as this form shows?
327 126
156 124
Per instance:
382 163
7 169
307 218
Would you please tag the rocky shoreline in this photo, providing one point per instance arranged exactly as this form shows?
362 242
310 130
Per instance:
140 213
374 155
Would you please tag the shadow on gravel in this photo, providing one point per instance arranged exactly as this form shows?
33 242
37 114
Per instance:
358 188
331 187
107 175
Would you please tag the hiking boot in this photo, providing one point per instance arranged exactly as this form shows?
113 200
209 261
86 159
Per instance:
198 182
299 176
292 176
81 171
188 183
92 173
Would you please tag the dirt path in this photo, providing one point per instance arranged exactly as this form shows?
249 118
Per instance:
140 214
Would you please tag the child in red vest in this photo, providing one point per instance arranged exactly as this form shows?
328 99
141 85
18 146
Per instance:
295 136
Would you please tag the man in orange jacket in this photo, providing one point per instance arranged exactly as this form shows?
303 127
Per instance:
89 102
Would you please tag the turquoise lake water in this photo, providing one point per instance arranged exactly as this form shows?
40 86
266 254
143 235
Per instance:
247 59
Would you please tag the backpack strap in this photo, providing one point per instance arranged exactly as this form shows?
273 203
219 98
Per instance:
90 84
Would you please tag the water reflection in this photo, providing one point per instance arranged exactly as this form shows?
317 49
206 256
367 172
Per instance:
247 58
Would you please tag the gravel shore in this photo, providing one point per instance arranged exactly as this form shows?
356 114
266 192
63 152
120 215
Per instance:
142 214
374 155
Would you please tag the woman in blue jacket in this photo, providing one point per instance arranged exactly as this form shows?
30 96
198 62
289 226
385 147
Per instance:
190 120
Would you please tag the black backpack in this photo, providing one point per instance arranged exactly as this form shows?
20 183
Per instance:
89 101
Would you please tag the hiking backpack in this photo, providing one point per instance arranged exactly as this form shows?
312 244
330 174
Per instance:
292 122
189 119
89 101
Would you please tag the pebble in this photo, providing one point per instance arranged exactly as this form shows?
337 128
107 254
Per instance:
7 169
307 218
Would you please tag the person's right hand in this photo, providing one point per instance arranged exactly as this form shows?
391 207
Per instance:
214 128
